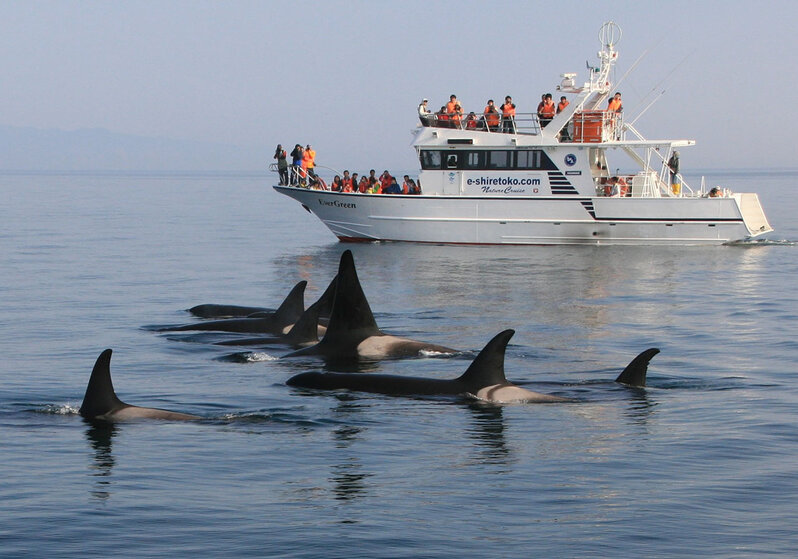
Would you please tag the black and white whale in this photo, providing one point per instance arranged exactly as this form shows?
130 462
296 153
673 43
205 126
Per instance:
210 310
352 333
305 332
100 401
483 380
278 322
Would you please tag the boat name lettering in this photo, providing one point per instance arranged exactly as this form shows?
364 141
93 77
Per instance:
337 203
486 182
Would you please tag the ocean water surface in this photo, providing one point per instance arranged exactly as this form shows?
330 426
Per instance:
702 462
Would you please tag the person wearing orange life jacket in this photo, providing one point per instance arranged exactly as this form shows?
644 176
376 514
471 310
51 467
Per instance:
363 187
310 160
336 185
457 116
442 117
385 181
346 182
409 186
491 116
565 135
450 106
508 115
562 104
546 110
615 105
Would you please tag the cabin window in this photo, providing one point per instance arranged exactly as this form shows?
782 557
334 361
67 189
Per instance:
528 159
500 160
430 159
483 160
476 160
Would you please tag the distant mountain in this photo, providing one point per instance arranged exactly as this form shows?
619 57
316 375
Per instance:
100 149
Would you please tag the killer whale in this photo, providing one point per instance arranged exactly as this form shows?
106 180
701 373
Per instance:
304 332
483 380
278 322
101 402
352 333
210 310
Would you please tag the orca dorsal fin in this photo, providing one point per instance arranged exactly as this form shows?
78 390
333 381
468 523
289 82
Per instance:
351 319
100 397
292 306
635 372
306 329
488 367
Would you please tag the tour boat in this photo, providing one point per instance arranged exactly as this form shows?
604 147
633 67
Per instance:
523 183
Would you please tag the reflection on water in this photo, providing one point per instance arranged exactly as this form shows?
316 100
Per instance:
488 434
100 436
347 475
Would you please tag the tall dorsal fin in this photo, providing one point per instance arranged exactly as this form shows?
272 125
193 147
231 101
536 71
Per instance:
100 397
635 372
306 329
351 319
488 367
293 306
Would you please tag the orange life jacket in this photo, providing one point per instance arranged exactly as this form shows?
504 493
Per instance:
614 105
347 183
547 110
508 109
311 156
561 106
364 185
450 106
491 116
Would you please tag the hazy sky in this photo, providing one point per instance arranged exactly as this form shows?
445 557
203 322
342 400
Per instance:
347 76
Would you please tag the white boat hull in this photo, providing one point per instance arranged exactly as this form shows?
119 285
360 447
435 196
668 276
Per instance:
566 220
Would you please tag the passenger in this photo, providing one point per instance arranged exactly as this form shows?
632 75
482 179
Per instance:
673 165
309 160
393 187
443 118
424 113
346 182
546 110
372 180
611 187
363 187
716 192
354 182
450 106
623 187
376 188
565 135
385 181
508 115
491 116
457 116
615 105
296 163
471 121
336 185
282 164
409 186
562 104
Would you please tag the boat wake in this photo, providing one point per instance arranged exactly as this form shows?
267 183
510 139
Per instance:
762 242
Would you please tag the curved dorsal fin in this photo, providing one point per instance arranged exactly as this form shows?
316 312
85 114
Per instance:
100 397
635 372
488 367
351 319
306 329
292 306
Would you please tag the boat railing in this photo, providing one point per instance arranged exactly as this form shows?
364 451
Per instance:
521 123
297 176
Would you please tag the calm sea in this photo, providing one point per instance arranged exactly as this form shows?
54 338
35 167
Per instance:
703 462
